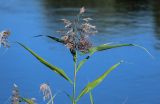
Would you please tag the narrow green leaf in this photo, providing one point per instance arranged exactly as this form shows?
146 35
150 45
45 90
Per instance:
50 66
107 46
91 97
28 101
56 39
52 37
96 82
99 48
83 62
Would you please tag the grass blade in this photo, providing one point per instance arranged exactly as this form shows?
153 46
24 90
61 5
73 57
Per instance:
100 48
82 62
55 39
52 37
96 82
91 97
50 66
106 47
28 101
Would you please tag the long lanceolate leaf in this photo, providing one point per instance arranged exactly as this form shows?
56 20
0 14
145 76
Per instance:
50 66
106 47
100 48
52 37
96 82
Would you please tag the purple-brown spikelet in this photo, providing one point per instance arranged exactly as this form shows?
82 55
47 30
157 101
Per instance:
15 95
76 33
4 38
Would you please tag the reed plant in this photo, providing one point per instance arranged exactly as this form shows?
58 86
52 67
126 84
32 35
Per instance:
75 36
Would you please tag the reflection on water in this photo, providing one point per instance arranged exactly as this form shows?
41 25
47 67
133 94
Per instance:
125 21
119 4
156 15
113 18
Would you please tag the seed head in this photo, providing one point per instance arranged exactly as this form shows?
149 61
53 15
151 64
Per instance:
4 38
84 45
45 88
76 32
15 95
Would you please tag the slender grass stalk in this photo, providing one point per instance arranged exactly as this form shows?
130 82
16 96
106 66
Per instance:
74 80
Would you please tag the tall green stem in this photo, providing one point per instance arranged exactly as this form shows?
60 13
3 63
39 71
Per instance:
74 81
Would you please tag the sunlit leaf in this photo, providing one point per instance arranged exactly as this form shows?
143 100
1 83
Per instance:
91 97
106 47
99 48
50 66
96 82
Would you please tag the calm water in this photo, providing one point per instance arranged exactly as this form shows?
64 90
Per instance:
120 21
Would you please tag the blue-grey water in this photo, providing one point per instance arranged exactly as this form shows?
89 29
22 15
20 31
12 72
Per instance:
136 81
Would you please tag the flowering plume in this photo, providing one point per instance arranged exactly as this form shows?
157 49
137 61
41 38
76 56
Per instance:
47 94
15 95
3 38
17 99
76 32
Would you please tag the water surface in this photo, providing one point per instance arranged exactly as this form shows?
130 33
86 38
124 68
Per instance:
126 21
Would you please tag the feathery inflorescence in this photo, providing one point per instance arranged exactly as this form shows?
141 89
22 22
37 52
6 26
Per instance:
45 88
15 95
76 32
4 38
